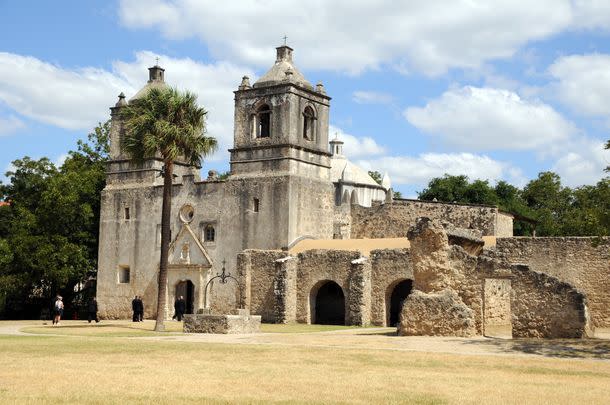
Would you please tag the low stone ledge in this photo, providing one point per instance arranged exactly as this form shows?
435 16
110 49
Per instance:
222 324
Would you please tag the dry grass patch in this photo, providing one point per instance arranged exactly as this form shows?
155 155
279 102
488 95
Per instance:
93 369
104 328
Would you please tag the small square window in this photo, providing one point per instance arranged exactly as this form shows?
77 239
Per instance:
255 205
209 233
124 275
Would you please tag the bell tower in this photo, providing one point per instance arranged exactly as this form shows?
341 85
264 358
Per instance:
281 123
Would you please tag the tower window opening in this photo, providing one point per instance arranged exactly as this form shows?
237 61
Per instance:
127 216
263 122
308 123
255 205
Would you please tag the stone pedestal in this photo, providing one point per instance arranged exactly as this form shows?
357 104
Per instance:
222 324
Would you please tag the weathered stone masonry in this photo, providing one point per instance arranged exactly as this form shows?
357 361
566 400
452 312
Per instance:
393 220
583 262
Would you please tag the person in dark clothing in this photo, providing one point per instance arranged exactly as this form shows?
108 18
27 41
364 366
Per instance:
92 310
134 308
180 308
140 316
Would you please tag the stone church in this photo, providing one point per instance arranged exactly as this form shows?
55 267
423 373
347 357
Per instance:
308 236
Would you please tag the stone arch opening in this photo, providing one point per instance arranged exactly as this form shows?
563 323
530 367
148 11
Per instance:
396 295
328 304
262 122
186 289
309 117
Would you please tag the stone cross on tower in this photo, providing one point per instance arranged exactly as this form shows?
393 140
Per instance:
285 38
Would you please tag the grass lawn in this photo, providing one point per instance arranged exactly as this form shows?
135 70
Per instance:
102 366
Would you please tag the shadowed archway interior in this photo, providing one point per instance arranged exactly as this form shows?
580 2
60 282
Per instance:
398 296
330 305
186 289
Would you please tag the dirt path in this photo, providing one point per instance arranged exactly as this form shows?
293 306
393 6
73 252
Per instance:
369 339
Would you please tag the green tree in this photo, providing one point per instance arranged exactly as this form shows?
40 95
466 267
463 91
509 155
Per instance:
549 201
166 123
447 188
51 226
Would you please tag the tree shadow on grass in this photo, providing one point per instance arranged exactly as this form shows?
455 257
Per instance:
556 348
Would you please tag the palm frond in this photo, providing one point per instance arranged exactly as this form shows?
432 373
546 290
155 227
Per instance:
169 123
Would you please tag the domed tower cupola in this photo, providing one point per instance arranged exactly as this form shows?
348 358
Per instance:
281 123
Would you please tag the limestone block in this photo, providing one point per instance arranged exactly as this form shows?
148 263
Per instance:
222 324
432 269
442 314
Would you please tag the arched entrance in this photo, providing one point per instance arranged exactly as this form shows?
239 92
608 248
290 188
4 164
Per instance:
329 304
396 296
186 289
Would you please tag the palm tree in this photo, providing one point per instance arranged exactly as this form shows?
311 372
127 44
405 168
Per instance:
169 124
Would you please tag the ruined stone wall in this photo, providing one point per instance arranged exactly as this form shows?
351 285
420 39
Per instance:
544 307
318 265
580 261
393 220
257 269
389 267
504 225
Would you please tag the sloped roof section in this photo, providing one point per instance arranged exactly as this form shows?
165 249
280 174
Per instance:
342 169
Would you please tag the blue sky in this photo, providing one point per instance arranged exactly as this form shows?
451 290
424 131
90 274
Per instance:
500 90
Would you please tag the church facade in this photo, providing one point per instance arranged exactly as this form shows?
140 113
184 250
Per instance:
289 186
280 189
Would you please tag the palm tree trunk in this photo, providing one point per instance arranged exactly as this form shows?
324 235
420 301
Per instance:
166 212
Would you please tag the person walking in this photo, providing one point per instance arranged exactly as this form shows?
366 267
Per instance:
58 310
134 308
180 308
92 310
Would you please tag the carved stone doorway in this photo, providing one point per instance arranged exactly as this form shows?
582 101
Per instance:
186 289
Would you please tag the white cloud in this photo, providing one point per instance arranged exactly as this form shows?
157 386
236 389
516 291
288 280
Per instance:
356 147
591 13
10 124
487 118
79 98
72 99
583 83
583 162
421 169
427 36
372 97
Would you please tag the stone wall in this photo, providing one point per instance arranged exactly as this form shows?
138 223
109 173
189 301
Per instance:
544 307
504 225
257 270
389 267
497 312
583 262
394 219
316 266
